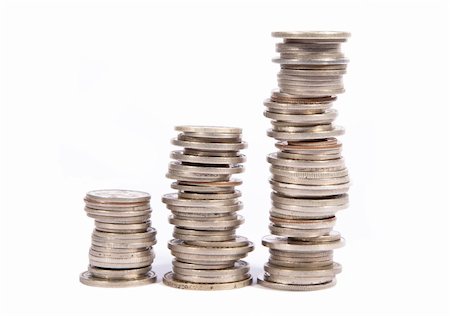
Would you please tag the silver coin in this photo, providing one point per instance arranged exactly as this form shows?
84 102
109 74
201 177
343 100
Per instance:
121 265
206 210
117 196
285 244
293 287
311 182
88 279
328 271
326 117
292 264
289 214
279 230
183 157
217 218
325 201
208 129
113 251
118 273
277 161
209 196
208 238
315 35
207 259
150 234
196 177
170 281
118 207
200 188
178 167
299 109
120 220
314 157
210 280
299 173
210 146
207 225
202 232
180 246
193 266
239 269
122 228
173 199
126 255
290 280
102 213
298 136
298 190
128 244
193 137
238 241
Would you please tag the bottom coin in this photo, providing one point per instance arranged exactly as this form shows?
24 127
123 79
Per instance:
88 279
294 287
170 281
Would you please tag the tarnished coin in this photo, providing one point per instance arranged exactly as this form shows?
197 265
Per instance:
89 279
294 287
226 278
170 281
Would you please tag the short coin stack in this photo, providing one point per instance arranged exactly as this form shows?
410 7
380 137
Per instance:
309 177
121 253
207 250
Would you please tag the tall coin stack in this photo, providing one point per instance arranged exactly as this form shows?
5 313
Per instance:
206 248
121 253
309 178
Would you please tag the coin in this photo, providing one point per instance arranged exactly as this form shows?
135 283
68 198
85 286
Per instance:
208 129
170 281
117 196
208 160
88 279
210 146
294 287
285 244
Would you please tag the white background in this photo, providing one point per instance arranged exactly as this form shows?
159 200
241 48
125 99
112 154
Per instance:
91 90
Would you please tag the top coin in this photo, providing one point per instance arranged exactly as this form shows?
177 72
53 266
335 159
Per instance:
313 35
208 129
117 196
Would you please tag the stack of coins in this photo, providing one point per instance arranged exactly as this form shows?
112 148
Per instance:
206 248
309 178
121 253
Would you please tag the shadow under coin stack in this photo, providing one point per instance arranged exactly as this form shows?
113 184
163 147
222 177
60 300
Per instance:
309 178
206 249
121 253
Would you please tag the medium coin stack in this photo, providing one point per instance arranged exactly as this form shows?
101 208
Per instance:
207 250
309 178
121 253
